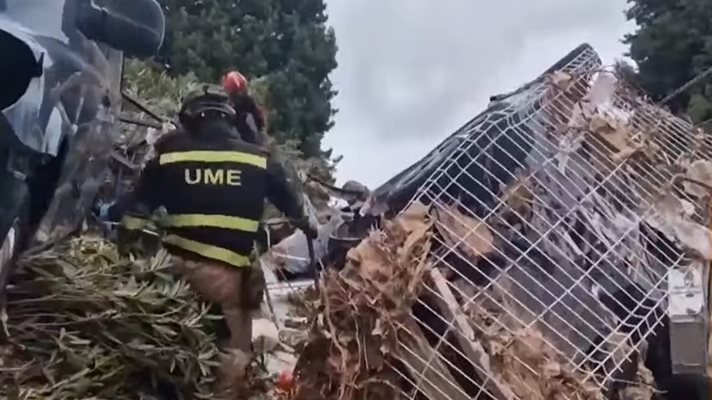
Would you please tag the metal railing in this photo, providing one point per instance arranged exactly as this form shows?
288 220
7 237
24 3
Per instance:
550 258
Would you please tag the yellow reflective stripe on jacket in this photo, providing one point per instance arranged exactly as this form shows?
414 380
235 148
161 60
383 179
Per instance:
208 156
209 251
133 223
214 221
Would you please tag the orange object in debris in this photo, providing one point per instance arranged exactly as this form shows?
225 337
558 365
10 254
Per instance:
285 382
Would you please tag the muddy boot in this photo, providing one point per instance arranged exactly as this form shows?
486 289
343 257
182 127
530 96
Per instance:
232 381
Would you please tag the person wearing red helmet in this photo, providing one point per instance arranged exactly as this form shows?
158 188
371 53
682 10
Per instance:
237 88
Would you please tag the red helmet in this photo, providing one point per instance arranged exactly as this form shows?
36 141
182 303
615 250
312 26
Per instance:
234 83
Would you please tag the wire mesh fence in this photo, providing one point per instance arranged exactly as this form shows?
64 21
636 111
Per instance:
557 223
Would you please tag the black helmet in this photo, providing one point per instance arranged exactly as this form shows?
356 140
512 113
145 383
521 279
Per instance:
209 100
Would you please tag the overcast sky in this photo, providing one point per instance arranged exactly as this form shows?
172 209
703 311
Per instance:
413 71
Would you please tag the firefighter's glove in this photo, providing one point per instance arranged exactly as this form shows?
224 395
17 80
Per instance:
306 226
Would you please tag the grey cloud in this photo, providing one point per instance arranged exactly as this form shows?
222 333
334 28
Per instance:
411 71
46 23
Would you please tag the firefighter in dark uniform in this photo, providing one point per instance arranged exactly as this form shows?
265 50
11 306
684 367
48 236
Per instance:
213 185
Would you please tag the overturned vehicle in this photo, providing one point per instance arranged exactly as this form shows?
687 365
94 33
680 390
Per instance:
59 108
555 247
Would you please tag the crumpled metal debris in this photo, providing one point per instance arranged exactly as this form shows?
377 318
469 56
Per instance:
291 254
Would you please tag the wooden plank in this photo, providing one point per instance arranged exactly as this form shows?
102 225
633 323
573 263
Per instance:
465 336
430 375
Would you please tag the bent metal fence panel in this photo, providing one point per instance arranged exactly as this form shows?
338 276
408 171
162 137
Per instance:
560 216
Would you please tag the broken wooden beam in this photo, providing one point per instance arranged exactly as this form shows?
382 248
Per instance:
465 336
430 375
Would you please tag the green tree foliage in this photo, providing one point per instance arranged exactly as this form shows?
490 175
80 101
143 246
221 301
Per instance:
285 43
162 94
627 72
673 44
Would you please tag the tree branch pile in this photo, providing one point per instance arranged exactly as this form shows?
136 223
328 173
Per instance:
84 322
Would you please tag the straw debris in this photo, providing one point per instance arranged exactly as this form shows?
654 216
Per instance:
354 352
526 362
362 310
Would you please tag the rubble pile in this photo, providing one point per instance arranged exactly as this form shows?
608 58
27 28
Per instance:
529 263
366 344
537 268
362 310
